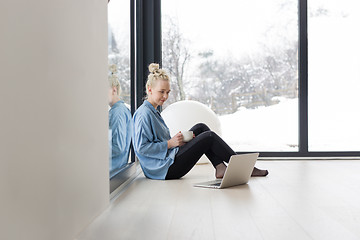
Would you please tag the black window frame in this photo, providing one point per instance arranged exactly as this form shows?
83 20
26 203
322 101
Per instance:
303 140
145 32
303 98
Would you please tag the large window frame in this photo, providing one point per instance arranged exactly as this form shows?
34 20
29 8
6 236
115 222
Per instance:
146 48
303 151
303 98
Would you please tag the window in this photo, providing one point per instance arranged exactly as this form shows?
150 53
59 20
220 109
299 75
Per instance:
240 59
119 43
119 55
249 61
334 75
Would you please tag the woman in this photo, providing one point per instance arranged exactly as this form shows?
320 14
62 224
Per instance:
120 124
163 157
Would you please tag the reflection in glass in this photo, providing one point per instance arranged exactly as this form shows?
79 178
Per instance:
119 84
120 130
334 75
241 61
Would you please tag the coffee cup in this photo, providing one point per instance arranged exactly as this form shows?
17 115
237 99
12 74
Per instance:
187 135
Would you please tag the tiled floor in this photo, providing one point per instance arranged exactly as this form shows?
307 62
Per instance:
298 200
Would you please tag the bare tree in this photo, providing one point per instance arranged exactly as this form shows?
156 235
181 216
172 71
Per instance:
175 56
118 54
225 84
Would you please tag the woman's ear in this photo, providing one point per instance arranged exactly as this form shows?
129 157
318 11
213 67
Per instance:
114 91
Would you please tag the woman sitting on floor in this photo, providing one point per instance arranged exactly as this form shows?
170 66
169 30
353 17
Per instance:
163 157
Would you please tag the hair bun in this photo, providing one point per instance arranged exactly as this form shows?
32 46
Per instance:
113 69
154 68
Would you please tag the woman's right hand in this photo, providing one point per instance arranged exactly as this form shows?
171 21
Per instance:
176 140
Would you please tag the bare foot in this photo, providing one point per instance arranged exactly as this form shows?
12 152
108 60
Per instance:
259 173
220 170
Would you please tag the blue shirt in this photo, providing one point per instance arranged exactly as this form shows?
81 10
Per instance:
120 125
150 136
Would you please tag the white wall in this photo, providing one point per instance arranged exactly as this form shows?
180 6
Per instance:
53 117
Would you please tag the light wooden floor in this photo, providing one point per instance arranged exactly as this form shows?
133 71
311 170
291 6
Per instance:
297 200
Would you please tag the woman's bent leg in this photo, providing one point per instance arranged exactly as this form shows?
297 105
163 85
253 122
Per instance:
208 143
199 128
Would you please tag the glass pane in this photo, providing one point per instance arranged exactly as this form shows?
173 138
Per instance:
119 68
334 75
239 58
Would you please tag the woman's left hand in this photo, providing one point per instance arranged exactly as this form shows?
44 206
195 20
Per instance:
176 140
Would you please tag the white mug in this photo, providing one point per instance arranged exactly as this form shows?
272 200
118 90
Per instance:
187 135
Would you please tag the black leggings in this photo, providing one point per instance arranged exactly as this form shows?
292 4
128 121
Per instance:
205 142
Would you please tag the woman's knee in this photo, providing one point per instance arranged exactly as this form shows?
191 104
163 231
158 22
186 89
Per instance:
213 134
210 134
201 126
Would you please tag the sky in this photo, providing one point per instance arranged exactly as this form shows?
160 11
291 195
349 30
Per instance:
119 21
227 26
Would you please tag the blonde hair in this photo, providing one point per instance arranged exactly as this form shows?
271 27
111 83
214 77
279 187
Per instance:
155 74
113 79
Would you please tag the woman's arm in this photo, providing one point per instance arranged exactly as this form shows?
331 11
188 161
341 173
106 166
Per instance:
144 142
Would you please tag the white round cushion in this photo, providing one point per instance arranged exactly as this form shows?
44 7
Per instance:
183 115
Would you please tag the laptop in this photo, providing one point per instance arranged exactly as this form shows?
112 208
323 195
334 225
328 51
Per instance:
237 172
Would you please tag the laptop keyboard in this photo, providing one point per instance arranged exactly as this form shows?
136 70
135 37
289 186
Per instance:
216 184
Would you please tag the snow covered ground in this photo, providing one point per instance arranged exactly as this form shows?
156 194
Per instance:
275 128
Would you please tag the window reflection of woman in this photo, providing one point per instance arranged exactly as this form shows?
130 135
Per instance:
163 157
120 124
